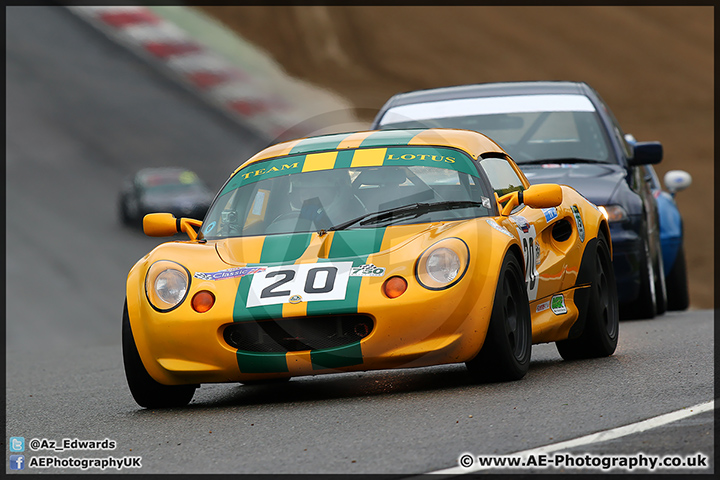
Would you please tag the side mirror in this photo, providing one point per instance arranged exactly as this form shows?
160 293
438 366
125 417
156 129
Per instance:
166 225
646 153
545 195
676 180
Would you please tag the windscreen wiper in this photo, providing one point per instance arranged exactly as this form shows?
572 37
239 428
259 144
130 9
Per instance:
561 160
412 210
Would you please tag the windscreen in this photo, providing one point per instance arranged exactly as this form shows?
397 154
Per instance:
159 182
528 127
324 191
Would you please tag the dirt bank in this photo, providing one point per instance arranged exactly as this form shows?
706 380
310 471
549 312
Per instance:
653 65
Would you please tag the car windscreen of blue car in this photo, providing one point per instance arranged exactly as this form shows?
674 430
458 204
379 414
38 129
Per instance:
528 127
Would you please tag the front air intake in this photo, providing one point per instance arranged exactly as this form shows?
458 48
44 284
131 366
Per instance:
298 334
562 230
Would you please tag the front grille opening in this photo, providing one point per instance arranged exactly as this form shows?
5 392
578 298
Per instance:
298 334
562 230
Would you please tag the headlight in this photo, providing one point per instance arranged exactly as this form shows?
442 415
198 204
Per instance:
614 213
443 264
166 285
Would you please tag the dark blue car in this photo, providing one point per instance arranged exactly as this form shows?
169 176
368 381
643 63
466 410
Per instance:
562 132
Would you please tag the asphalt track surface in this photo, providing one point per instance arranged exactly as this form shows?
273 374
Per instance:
81 114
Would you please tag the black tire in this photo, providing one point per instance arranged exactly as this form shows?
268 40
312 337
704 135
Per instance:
269 381
602 320
677 286
505 355
145 390
124 216
660 287
645 306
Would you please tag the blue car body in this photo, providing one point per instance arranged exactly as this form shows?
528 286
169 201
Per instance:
671 231
671 225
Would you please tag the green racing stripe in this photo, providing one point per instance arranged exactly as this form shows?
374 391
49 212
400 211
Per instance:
349 245
277 250
355 245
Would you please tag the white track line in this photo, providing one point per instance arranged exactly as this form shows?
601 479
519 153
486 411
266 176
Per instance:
598 436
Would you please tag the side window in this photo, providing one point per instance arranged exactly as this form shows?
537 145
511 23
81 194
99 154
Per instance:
502 176
617 131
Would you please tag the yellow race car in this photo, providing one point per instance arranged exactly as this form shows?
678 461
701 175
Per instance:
363 251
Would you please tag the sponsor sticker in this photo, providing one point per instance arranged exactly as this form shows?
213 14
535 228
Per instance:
557 304
521 222
541 307
528 237
579 223
187 177
550 214
559 165
229 273
537 254
295 299
485 202
368 270
499 228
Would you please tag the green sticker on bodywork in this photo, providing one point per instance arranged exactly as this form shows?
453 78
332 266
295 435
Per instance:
579 223
557 305
430 157
263 170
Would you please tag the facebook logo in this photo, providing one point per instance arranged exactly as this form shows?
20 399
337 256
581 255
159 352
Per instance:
17 444
17 462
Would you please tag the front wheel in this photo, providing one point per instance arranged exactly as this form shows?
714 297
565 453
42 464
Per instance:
645 306
676 282
505 355
124 214
145 390
660 285
268 381
602 322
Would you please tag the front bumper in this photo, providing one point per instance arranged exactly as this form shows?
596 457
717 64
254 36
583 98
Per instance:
419 328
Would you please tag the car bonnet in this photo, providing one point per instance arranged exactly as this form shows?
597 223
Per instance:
595 182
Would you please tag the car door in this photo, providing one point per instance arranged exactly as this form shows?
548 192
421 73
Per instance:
546 235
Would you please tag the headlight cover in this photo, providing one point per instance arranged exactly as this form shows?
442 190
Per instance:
613 213
443 265
166 285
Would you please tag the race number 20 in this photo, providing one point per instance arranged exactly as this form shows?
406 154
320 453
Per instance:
299 283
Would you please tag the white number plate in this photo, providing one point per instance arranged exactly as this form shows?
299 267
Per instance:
299 283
